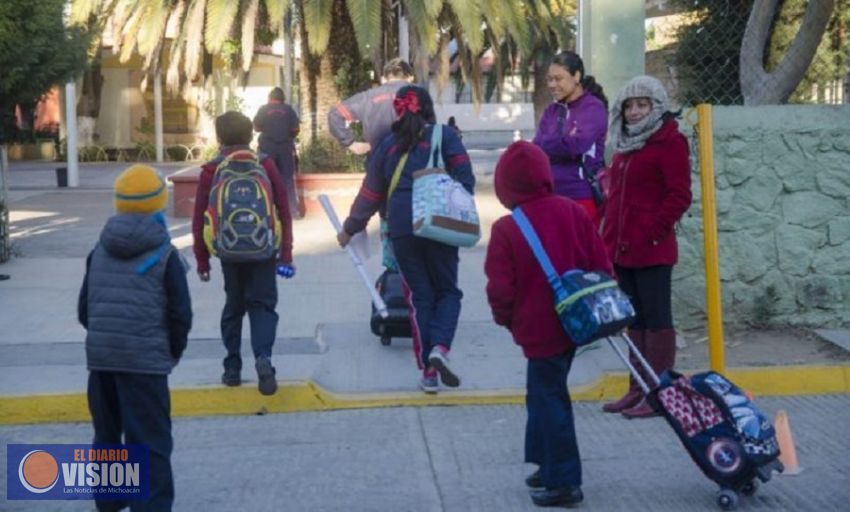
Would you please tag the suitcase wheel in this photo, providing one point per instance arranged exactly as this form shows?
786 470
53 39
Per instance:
386 340
727 499
750 488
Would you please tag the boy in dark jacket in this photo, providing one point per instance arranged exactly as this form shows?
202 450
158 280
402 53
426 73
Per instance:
250 286
521 300
135 305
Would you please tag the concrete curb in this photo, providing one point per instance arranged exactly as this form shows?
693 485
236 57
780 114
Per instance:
307 396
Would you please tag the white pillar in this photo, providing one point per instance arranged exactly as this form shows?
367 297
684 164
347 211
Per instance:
157 115
71 133
403 39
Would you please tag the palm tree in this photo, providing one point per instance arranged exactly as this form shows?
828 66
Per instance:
183 32
186 33
520 33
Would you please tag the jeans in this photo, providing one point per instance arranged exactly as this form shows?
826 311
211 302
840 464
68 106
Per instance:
139 407
251 288
429 269
550 436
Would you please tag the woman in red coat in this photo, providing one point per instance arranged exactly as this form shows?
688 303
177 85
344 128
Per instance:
521 300
649 191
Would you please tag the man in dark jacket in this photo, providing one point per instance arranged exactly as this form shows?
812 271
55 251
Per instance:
278 125
522 300
372 108
135 305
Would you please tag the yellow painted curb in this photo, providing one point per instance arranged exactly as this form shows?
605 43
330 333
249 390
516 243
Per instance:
309 397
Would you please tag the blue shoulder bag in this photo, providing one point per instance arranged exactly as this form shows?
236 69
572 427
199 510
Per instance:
589 304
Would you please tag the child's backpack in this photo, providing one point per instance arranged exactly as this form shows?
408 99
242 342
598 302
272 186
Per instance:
589 304
241 223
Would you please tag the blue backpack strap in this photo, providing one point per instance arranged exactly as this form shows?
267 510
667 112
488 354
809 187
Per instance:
537 248
437 146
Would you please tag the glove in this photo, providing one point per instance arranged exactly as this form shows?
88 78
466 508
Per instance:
285 270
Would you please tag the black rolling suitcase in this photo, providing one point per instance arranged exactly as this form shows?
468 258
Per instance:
397 323
726 435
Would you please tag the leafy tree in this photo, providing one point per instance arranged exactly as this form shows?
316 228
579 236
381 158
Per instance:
521 34
37 51
760 86
831 61
711 49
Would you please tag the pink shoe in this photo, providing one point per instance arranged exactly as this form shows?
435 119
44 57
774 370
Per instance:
429 383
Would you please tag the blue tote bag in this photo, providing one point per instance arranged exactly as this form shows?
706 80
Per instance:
443 210
589 304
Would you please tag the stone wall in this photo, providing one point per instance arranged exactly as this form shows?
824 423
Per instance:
783 203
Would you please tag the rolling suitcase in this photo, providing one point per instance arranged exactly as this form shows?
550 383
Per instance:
397 323
725 434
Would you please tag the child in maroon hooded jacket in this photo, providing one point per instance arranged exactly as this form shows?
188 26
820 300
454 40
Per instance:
521 300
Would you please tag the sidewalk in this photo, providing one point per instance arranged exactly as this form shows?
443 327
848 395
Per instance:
459 459
325 354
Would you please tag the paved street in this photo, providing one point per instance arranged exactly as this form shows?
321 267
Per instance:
460 459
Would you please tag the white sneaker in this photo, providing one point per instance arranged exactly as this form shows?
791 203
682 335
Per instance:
439 360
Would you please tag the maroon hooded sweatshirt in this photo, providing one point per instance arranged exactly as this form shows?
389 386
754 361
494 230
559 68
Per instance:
517 290
650 190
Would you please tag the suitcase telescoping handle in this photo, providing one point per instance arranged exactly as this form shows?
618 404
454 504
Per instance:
380 306
635 373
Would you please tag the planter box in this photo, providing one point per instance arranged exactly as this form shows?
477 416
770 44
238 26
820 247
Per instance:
44 151
184 188
340 187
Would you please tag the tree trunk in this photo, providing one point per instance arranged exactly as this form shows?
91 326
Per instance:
421 62
88 108
541 96
757 85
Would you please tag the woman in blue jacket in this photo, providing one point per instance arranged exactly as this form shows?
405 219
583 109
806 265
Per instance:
429 268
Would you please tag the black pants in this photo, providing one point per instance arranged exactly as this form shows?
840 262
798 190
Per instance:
650 290
251 288
284 158
139 407
550 434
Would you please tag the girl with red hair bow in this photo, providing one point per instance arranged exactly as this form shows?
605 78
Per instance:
429 268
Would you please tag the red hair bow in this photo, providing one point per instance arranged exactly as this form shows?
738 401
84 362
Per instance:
408 103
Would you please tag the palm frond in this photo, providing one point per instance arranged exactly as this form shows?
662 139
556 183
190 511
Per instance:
443 65
432 7
366 18
173 75
496 14
317 20
82 10
130 33
469 17
120 16
423 23
219 20
518 27
193 31
249 26
277 10
155 14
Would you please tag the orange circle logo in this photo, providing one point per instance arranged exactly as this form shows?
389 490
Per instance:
38 471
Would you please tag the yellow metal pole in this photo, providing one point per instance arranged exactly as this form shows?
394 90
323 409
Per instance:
716 357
